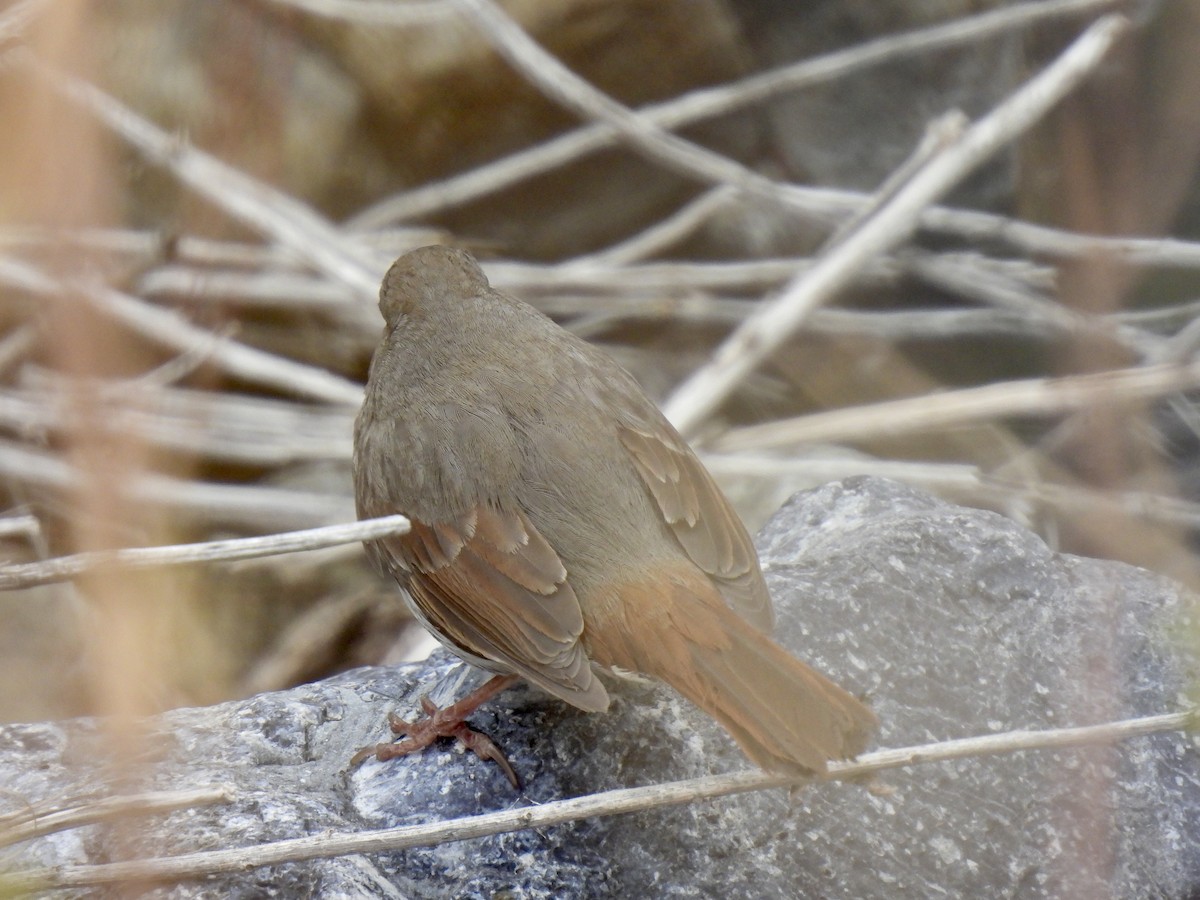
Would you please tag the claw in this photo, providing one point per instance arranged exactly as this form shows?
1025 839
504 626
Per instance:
448 722
485 748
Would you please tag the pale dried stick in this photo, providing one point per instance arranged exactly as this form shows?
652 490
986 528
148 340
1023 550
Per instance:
816 470
62 568
241 360
769 328
889 326
940 134
960 480
17 17
749 275
886 325
222 426
1045 241
263 288
715 101
531 278
959 275
172 329
26 526
676 288
1179 347
1160 317
154 246
251 507
658 796
1027 397
234 428
1097 505
267 210
564 87
32 823
661 234
592 273
665 291
821 201
245 506
15 345
377 12
932 324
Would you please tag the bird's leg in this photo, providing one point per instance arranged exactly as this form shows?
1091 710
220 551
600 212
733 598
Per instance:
449 721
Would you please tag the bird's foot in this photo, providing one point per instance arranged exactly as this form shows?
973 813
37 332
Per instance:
449 721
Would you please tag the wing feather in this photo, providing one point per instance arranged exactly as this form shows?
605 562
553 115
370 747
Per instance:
492 586
701 519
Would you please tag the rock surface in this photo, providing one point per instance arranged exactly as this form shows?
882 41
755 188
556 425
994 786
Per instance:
952 621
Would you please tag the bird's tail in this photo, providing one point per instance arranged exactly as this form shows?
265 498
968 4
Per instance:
784 714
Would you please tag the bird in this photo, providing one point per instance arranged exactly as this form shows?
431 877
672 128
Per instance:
562 531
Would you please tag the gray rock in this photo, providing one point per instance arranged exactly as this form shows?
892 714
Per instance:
871 120
952 621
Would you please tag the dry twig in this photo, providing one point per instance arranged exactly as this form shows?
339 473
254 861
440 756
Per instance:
48 571
284 219
172 329
256 508
1030 397
767 330
715 101
32 823
216 862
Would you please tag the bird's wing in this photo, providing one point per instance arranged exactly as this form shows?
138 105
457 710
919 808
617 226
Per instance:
493 586
701 519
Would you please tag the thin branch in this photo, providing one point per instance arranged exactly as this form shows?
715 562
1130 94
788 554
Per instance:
964 481
1028 397
147 247
715 101
940 134
662 234
25 526
956 274
1096 505
887 325
224 426
819 468
1044 241
564 87
768 329
231 427
240 360
377 12
267 210
246 506
1179 347
1162 318
48 571
215 862
270 289
1036 240
172 329
747 275
250 506
677 290
16 18
931 324
16 345
33 823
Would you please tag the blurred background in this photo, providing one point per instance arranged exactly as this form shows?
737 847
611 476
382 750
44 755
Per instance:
198 200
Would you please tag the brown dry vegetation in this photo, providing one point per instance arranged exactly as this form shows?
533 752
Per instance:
199 199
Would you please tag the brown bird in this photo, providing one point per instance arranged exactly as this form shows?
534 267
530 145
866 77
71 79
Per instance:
561 526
